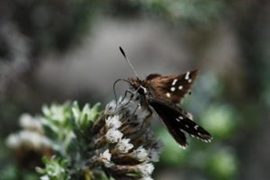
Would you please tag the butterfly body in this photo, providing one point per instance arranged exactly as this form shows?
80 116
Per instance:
163 94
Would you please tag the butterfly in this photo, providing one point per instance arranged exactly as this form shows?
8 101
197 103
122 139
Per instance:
163 94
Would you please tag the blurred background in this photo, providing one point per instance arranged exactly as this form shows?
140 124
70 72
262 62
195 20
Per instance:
54 51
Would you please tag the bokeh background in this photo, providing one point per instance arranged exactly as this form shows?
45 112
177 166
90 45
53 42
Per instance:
54 51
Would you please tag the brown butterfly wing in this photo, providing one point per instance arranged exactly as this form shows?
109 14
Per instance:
177 122
170 88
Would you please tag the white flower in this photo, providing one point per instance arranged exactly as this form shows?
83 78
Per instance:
29 122
113 122
13 141
146 169
106 156
113 135
140 153
146 178
124 146
33 139
110 108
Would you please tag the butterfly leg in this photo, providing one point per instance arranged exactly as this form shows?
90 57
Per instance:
131 99
147 119
132 94
125 96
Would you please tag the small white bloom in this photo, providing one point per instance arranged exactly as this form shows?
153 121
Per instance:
113 122
25 120
27 136
106 156
13 141
29 122
146 178
113 135
146 169
141 154
33 139
110 108
124 146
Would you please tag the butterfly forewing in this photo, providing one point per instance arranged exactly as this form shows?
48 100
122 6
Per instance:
177 122
171 88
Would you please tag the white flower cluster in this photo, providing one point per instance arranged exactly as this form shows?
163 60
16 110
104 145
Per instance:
28 122
127 139
114 135
31 136
28 138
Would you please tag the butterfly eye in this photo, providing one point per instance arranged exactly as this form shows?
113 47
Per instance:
142 90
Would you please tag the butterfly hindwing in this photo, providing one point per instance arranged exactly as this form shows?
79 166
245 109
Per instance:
194 129
177 122
171 88
167 115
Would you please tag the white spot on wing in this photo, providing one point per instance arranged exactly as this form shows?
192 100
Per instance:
180 87
172 89
181 117
187 75
196 127
174 82
168 95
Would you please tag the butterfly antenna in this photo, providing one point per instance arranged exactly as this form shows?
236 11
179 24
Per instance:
125 56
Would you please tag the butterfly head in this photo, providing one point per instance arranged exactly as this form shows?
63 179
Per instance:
138 85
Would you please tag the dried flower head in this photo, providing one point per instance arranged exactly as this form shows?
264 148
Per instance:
123 132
